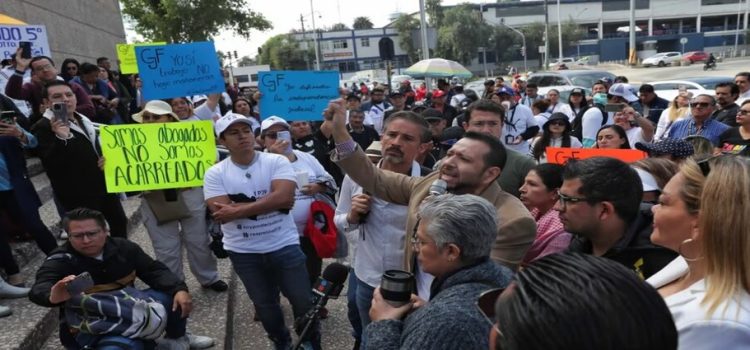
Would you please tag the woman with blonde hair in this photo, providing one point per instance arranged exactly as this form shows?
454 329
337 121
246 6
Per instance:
678 109
703 214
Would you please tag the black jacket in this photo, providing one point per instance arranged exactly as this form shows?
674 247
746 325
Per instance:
121 257
634 250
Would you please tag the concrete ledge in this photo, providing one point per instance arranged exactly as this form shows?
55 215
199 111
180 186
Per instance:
30 326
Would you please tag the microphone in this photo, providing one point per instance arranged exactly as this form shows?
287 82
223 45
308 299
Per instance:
328 286
438 187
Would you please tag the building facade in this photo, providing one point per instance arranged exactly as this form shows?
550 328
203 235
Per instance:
80 29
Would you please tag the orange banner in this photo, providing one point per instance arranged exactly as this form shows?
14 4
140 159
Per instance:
561 155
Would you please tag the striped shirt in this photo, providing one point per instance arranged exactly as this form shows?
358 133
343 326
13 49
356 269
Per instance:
711 130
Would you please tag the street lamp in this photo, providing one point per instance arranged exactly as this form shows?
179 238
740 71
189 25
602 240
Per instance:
523 43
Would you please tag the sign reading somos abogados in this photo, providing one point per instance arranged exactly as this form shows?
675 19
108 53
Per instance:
179 70
297 95
142 157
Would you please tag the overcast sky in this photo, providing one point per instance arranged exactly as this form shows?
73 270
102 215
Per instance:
284 16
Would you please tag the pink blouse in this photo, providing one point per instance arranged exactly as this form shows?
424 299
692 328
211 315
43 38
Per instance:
550 236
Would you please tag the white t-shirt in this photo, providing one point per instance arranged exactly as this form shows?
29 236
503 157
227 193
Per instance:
517 120
540 119
271 231
376 114
456 99
590 125
301 210
635 134
554 142
563 108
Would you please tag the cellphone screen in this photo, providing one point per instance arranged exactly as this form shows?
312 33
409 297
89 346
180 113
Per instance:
25 49
285 135
7 117
613 107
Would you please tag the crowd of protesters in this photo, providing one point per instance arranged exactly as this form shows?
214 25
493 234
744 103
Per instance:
597 252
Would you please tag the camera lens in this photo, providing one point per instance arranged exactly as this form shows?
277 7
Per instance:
396 287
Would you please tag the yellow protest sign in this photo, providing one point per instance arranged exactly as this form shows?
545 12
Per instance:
126 55
143 157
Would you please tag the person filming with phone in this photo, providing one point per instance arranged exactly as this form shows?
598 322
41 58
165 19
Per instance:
96 264
70 153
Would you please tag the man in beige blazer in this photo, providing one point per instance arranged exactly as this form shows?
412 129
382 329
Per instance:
471 166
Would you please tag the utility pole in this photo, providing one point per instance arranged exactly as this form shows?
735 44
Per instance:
737 29
315 36
559 33
304 38
546 36
631 34
484 47
423 34
523 43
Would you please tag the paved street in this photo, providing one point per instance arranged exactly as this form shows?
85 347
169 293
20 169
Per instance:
644 75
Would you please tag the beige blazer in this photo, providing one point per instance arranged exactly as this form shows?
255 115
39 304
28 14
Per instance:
516 226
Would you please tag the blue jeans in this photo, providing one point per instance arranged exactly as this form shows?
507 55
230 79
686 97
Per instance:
264 275
175 328
351 306
364 301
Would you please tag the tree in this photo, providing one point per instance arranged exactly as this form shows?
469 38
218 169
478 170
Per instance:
435 11
283 52
245 61
178 21
339 27
406 25
462 33
362 23
571 34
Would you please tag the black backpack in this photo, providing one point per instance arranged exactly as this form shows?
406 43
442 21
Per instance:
577 127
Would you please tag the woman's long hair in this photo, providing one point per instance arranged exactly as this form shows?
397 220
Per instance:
544 141
619 130
724 228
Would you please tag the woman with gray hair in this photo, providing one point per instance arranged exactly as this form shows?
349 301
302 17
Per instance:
453 239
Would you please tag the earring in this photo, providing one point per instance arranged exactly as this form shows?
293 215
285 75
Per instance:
679 250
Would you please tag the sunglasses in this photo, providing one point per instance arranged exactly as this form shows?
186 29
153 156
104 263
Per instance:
700 105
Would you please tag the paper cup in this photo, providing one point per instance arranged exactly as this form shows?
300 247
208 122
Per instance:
302 178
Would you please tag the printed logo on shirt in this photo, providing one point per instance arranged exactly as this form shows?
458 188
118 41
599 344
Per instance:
733 149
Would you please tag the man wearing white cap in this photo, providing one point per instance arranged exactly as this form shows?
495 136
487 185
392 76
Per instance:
624 93
251 193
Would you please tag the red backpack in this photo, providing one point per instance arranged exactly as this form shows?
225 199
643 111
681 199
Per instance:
321 229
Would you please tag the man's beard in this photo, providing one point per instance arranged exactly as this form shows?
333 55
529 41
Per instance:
395 160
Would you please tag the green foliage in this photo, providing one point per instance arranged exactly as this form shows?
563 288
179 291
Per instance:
435 12
338 27
245 61
178 21
283 52
362 23
462 33
406 25
571 34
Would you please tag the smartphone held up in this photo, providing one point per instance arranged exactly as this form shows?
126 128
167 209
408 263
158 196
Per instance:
60 110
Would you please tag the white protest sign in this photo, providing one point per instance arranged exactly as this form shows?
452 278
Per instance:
10 36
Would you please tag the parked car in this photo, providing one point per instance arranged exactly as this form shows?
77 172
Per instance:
564 91
567 60
668 89
585 78
695 56
662 59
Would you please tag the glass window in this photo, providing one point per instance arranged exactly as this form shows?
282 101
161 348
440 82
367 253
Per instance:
340 44
365 42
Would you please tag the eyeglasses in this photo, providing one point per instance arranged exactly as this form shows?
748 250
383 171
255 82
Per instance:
82 235
417 243
565 199
743 112
705 166
44 67
700 105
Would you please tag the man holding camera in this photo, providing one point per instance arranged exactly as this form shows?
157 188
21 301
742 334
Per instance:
69 150
111 263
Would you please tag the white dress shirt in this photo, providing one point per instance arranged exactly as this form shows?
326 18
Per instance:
728 328
381 239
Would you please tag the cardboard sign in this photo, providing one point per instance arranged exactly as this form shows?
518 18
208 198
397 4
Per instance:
126 55
179 70
297 95
143 157
561 155
11 35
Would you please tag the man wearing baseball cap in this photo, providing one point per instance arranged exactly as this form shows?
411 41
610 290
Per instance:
250 194
438 103
624 93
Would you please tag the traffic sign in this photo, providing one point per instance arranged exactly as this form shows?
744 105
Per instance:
683 41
